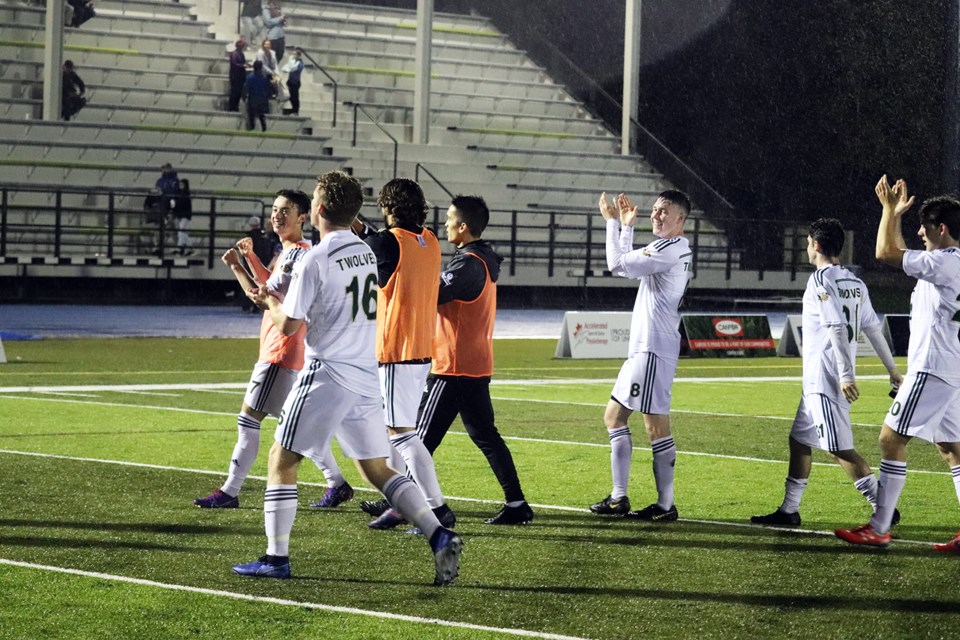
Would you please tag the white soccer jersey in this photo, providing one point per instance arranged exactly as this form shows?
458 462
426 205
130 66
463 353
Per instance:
663 269
334 290
934 313
279 280
834 298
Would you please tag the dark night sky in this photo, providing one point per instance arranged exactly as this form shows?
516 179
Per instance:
791 110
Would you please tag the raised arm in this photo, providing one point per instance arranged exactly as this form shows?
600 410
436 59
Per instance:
894 200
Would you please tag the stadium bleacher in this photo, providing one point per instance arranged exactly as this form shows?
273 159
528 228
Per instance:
156 81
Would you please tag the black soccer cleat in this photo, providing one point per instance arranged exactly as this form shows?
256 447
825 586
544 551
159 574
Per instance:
896 518
610 507
654 513
521 514
375 507
778 519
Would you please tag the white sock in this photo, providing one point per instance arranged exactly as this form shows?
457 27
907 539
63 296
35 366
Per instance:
279 512
244 453
867 485
396 462
792 494
893 475
408 501
329 468
664 459
621 453
420 464
956 479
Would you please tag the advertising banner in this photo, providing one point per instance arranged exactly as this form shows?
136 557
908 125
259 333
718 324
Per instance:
726 335
594 334
791 342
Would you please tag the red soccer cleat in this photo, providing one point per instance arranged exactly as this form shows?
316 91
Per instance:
864 535
949 547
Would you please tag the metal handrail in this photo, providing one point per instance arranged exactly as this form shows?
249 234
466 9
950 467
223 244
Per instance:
319 67
416 177
656 151
396 145
59 227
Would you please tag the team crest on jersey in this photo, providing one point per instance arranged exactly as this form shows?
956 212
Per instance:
447 277
423 243
824 297
646 253
287 268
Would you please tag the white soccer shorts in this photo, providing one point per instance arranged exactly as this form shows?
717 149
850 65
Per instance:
402 386
318 408
268 387
926 407
822 424
644 383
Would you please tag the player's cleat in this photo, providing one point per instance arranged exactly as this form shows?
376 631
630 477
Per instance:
949 547
778 519
218 500
654 513
447 547
446 516
334 496
864 535
521 514
612 507
375 507
896 518
265 567
387 520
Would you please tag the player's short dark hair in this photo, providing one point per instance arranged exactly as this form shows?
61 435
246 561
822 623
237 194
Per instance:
297 197
943 210
403 199
341 196
678 198
829 233
473 212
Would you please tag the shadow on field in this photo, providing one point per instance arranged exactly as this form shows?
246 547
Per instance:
142 527
75 543
791 601
688 535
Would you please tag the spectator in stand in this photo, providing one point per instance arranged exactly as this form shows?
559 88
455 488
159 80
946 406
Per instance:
73 89
294 68
267 57
264 245
183 211
169 185
238 73
251 21
82 11
256 90
275 21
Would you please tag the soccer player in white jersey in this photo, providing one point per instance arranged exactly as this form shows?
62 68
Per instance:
927 406
281 357
836 308
663 268
334 293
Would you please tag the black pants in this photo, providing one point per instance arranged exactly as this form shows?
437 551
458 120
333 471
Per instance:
236 91
279 45
443 399
294 88
257 109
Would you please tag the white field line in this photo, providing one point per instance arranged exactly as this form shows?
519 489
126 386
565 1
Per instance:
552 507
214 386
292 603
514 438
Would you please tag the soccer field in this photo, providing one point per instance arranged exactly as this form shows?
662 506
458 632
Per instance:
105 442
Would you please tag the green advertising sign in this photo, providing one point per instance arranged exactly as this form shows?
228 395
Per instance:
725 336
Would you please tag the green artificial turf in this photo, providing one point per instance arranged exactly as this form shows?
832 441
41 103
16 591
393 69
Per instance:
120 463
